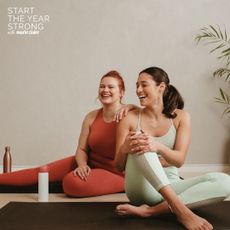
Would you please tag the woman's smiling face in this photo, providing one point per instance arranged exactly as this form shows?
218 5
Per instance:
147 90
109 91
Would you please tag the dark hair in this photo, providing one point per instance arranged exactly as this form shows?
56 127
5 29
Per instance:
171 98
118 77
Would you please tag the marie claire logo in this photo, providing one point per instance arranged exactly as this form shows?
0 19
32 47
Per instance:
25 21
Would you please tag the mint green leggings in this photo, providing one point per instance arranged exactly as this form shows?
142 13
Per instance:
144 177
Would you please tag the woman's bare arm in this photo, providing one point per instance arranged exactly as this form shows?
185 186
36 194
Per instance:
177 155
81 155
123 140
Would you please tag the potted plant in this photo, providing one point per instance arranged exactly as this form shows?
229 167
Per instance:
220 42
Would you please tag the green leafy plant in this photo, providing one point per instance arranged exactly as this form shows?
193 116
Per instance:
220 42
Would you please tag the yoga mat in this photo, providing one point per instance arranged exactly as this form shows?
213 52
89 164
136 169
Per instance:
54 187
100 216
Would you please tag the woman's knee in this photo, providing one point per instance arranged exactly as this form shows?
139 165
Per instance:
222 180
73 185
218 176
99 182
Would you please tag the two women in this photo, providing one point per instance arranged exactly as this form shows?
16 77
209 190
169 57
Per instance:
152 143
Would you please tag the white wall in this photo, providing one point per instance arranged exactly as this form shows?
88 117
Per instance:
48 82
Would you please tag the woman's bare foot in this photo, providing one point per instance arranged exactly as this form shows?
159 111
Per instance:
193 222
186 217
131 210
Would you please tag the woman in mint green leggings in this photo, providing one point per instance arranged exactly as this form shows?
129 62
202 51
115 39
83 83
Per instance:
152 143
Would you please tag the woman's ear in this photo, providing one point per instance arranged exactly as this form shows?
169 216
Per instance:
122 93
162 86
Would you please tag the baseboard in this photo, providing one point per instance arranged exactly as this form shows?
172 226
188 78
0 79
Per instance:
199 169
18 167
205 168
195 169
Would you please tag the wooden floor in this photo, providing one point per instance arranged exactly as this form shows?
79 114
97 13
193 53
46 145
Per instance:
5 198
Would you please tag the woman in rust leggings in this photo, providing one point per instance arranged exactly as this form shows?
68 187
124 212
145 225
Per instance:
91 171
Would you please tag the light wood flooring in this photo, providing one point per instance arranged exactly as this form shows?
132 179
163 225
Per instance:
5 198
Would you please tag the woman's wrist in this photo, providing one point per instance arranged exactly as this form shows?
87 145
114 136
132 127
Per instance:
81 163
159 148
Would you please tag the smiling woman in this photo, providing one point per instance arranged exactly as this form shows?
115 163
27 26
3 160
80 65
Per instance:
152 143
108 87
93 162
171 97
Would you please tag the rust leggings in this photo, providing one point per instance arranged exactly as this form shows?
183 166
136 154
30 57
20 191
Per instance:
99 182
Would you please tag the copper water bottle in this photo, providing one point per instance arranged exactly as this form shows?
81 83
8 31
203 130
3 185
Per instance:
7 160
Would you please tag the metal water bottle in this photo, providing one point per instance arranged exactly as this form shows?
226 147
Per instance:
43 184
7 160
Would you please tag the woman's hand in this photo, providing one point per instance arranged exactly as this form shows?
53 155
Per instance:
127 146
143 142
123 111
82 171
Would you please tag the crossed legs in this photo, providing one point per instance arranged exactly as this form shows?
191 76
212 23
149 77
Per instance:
149 167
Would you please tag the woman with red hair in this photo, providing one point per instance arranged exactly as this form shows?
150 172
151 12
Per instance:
91 171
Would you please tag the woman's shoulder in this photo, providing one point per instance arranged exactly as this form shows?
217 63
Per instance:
181 113
133 113
130 119
90 117
181 116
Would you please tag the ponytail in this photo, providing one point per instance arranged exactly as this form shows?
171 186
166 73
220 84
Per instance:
172 100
